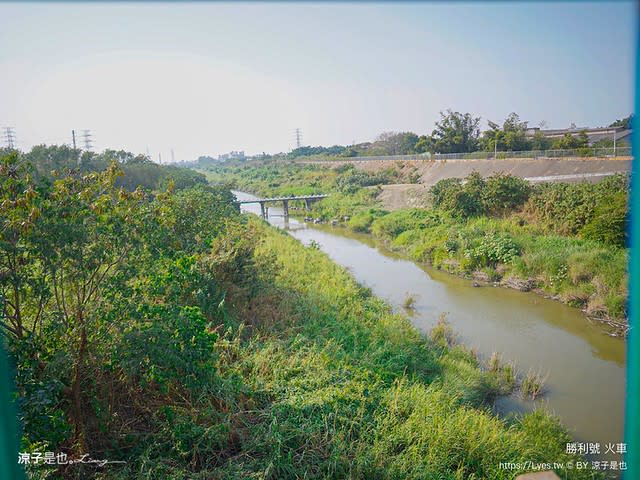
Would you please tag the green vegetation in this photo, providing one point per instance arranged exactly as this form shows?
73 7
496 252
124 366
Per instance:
137 170
566 241
409 301
285 179
167 331
453 132
533 385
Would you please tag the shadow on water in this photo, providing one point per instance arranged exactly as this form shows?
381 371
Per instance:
585 367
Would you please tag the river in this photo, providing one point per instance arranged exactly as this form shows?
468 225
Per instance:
585 367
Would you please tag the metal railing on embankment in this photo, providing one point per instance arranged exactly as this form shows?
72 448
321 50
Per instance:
586 152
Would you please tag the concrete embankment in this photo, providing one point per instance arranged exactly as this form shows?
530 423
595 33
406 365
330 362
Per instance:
534 169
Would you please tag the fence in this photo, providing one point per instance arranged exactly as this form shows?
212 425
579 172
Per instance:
576 152
585 152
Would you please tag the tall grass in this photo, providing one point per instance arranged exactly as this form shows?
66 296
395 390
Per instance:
335 385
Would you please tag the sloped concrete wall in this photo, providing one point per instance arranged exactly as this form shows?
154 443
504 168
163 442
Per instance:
533 169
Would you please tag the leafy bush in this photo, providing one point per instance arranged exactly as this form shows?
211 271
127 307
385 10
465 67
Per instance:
504 193
609 221
499 194
361 222
493 249
393 224
568 208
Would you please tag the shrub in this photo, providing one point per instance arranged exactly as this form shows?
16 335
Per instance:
504 193
393 224
493 249
609 221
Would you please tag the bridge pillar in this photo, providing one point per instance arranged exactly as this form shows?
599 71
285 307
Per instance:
285 207
263 212
307 204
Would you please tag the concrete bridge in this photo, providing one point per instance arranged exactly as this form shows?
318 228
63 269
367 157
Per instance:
308 200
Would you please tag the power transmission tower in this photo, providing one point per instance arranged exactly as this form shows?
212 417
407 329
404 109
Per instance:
173 157
73 135
298 138
86 136
10 137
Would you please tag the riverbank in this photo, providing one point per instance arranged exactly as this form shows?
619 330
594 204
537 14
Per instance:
356 392
516 250
501 252
562 241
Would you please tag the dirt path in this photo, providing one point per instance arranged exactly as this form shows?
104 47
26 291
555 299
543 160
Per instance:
395 197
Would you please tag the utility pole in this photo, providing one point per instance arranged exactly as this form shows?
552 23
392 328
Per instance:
298 138
75 149
614 142
10 137
86 135
159 158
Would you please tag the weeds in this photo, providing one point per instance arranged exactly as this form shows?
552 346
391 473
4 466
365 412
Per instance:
443 334
409 302
532 385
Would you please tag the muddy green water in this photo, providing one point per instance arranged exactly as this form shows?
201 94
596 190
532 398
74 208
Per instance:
585 367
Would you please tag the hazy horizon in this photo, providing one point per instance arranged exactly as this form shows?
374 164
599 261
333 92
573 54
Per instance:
205 79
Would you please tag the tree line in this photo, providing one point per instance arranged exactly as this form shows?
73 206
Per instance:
46 162
457 132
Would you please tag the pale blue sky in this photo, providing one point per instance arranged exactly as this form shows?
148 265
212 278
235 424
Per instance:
210 78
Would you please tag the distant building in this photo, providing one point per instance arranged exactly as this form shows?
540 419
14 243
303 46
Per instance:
622 136
232 156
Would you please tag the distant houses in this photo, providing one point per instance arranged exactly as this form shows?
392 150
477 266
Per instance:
232 156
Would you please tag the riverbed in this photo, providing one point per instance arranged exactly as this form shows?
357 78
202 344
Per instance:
585 368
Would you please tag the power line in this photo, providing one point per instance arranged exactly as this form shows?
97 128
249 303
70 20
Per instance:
10 137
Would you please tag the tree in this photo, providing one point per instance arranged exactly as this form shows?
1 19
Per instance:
540 142
625 123
568 141
424 144
512 136
515 133
397 143
456 133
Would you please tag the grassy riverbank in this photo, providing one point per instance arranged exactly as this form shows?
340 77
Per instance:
187 341
357 393
563 241
517 250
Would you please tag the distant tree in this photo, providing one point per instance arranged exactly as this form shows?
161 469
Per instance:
540 142
408 143
625 122
583 139
205 160
512 136
568 141
456 132
307 151
396 143
604 143
424 144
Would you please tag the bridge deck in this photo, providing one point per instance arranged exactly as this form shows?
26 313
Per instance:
280 199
